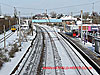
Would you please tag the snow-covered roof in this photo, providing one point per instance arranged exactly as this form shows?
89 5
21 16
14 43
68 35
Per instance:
68 18
24 25
1 16
79 22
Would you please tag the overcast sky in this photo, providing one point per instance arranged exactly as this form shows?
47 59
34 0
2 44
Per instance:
50 5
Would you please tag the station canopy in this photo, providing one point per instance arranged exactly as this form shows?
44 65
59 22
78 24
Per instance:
47 20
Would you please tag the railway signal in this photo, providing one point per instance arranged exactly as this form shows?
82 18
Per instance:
4 37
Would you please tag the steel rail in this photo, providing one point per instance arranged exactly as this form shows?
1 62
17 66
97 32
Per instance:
55 33
18 65
54 49
87 58
6 37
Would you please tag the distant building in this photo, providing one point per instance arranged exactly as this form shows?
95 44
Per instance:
87 21
69 20
1 17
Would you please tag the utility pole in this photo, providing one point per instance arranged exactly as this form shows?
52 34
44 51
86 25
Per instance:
15 12
64 26
86 33
15 15
93 7
46 11
31 16
19 31
31 24
71 19
0 11
9 23
4 37
71 14
81 24
92 12
47 16
92 19
17 27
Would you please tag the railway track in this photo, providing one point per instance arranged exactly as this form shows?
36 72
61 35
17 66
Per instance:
6 37
45 52
56 57
89 60
35 59
71 55
29 63
74 57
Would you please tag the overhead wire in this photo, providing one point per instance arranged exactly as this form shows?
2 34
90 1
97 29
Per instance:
70 6
51 8
6 4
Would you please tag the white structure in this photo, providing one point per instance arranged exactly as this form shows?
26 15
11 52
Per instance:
25 25
1 17
68 18
78 22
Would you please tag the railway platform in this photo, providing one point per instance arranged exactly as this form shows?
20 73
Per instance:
93 55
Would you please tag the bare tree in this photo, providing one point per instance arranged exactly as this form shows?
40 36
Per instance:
86 15
59 16
53 14
96 18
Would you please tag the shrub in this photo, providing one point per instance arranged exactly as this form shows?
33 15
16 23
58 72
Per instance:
1 63
11 53
13 50
0 49
1 55
16 47
5 59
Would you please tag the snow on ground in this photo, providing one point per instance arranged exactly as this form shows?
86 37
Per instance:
87 45
49 57
10 40
2 35
9 66
65 58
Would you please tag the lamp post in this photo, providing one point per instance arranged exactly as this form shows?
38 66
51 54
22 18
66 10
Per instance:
81 24
4 37
19 31
31 24
9 24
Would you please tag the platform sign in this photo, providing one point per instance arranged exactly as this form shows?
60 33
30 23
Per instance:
94 28
89 28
